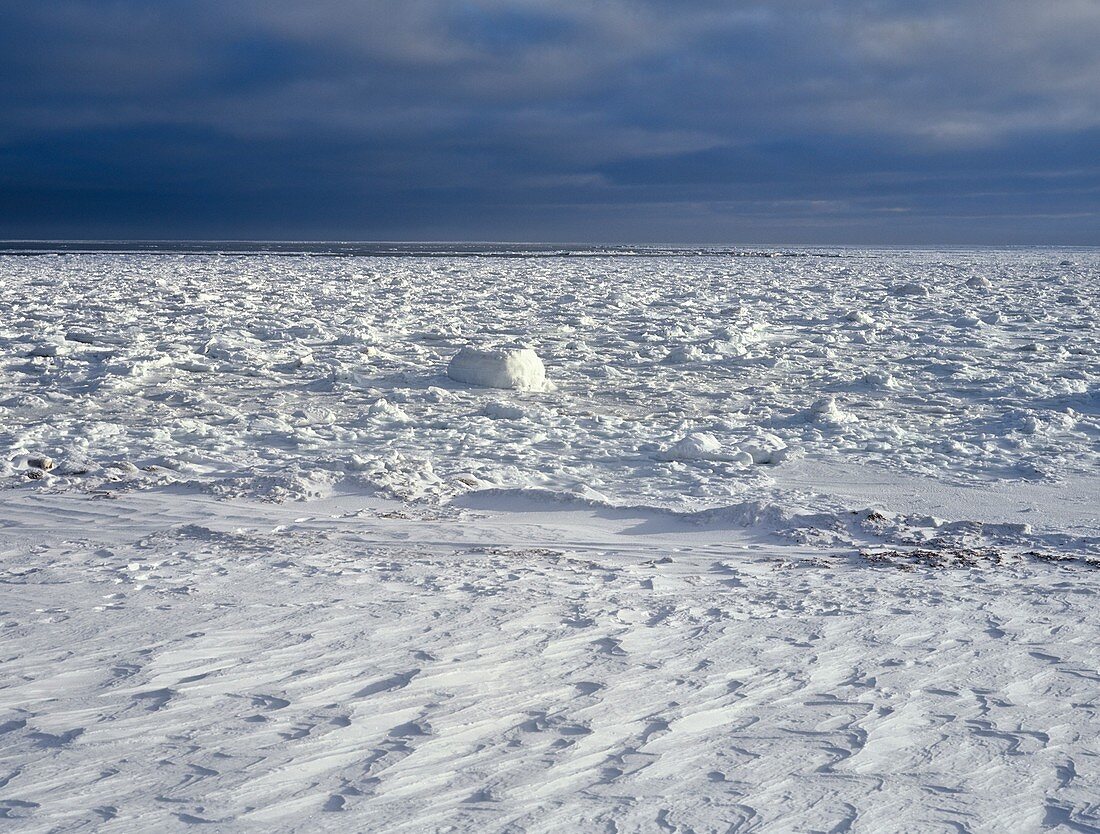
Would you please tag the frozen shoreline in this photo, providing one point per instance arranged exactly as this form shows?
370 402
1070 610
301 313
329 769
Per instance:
351 663
778 544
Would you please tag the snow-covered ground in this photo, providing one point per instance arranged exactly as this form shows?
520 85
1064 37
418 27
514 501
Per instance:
780 543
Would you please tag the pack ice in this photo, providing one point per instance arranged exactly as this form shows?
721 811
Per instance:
795 541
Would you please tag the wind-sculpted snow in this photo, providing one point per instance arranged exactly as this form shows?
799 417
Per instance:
282 377
335 667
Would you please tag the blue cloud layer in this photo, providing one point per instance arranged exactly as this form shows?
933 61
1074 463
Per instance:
574 120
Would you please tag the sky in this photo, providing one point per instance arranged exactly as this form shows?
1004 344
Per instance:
661 121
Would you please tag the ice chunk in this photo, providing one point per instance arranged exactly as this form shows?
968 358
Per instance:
912 288
503 411
84 337
880 379
435 394
696 446
382 409
504 367
765 448
683 354
49 349
825 410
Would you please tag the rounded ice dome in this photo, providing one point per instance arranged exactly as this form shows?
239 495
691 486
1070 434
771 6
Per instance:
695 446
499 367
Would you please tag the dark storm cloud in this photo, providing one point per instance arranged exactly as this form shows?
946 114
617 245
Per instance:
577 119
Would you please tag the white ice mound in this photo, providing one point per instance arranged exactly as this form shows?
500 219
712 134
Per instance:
912 288
764 448
760 448
683 354
503 367
384 410
49 349
498 410
825 410
696 446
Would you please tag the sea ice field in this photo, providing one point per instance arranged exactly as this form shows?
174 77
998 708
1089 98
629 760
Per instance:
524 540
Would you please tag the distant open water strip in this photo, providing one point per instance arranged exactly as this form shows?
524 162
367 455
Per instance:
384 249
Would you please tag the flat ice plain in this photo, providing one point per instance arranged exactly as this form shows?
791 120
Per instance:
794 541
